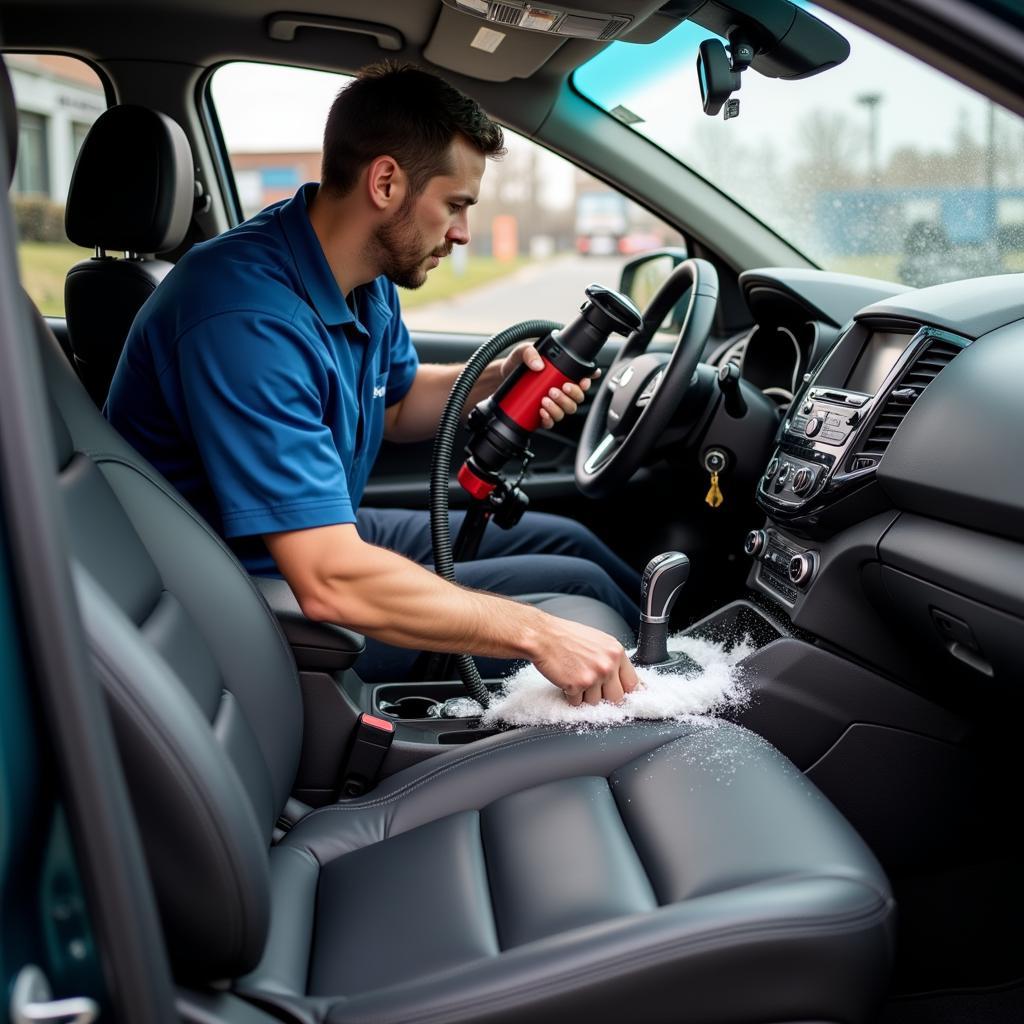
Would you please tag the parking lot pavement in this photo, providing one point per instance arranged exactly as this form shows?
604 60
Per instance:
548 290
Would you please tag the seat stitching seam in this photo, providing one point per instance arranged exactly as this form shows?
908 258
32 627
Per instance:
437 772
487 882
632 843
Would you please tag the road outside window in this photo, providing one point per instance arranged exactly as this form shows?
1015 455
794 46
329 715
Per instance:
58 98
542 231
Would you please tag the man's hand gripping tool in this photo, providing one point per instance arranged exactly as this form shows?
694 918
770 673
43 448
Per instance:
500 426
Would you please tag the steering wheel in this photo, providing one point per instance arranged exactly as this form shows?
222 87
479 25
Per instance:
642 391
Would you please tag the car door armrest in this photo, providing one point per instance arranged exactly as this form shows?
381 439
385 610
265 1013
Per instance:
317 646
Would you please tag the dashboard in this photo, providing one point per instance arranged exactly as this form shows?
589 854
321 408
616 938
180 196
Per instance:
894 492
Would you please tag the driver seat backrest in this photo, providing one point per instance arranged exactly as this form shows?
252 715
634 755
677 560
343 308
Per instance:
133 190
209 731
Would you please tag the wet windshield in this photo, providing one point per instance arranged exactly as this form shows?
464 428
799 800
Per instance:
881 166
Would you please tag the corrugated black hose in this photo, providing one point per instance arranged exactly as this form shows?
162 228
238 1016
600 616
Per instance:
441 466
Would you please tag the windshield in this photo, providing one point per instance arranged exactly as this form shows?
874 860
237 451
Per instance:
881 166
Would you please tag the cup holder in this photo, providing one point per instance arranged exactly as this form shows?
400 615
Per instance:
411 706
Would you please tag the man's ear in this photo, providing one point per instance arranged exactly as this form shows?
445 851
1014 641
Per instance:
385 183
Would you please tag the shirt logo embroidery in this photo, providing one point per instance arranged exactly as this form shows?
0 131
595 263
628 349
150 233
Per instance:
378 392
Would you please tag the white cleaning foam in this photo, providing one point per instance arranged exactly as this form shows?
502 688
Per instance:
529 699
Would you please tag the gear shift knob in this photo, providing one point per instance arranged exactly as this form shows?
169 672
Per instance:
662 580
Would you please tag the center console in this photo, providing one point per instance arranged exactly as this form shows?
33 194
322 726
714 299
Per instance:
819 479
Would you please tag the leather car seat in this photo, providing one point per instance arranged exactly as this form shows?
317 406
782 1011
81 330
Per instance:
677 872
133 190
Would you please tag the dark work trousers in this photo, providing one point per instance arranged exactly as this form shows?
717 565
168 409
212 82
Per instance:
541 554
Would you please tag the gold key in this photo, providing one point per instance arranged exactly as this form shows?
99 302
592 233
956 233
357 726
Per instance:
714 496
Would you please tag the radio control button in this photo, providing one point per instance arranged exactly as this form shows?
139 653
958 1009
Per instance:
813 426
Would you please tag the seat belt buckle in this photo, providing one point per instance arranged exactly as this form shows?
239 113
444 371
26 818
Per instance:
371 740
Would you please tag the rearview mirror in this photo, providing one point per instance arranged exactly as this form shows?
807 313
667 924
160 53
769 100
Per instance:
715 75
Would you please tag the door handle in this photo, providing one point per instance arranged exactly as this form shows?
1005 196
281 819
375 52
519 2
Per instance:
32 1002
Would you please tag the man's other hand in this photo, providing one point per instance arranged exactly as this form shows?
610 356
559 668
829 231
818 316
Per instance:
587 665
559 402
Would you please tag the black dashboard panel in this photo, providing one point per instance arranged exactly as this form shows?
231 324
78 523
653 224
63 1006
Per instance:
776 294
959 453
970 308
895 493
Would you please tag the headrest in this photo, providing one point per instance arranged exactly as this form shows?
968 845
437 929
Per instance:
9 112
133 187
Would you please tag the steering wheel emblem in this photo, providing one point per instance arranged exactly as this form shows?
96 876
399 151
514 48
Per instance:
623 378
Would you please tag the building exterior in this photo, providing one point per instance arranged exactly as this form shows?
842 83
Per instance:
265 178
58 99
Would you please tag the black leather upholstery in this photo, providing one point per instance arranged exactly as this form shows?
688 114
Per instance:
133 185
102 296
657 873
132 190
584 609
680 873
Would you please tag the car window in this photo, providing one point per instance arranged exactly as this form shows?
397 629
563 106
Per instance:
542 231
846 165
58 98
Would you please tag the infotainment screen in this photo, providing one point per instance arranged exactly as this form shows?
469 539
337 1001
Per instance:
877 358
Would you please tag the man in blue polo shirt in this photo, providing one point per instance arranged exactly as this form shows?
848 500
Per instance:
262 375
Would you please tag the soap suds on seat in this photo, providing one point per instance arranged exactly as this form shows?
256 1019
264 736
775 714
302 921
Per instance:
529 699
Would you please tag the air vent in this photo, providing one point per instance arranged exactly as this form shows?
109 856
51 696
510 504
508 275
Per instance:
504 14
935 355
614 27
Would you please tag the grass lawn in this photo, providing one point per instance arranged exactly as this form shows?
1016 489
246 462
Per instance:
442 283
44 265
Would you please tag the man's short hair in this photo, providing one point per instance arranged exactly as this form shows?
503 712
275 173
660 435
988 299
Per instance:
402 111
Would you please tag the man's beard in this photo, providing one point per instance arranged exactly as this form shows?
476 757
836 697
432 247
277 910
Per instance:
398 247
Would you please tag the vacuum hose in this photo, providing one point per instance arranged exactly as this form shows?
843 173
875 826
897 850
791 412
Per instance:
441 466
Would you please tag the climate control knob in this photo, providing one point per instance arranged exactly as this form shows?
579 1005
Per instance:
754 543
803 478
801 569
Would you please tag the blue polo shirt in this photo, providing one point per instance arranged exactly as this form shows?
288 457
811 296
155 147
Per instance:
255 388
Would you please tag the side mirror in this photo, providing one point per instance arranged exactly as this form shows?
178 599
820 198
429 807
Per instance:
643 275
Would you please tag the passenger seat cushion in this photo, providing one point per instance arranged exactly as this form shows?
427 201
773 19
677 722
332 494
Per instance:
499 868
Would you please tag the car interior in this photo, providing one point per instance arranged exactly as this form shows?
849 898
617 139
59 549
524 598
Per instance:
839 848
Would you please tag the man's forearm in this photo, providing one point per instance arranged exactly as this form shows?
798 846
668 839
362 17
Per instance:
337 577
392 599
415 418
